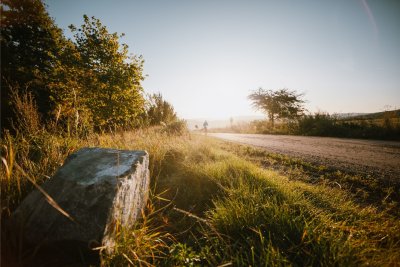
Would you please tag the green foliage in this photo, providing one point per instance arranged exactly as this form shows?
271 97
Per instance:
68 93
322 124
31 44
279 104
110 81
183 255
159 111
90 81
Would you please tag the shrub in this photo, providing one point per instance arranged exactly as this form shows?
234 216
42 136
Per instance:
321 124
178 127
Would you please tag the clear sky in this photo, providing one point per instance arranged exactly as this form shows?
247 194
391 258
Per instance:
206 56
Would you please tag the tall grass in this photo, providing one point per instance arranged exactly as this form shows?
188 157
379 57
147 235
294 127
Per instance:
226 210
210 206
35 158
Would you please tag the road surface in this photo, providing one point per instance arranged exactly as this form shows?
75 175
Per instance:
362 156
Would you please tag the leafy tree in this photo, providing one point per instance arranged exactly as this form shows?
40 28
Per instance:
30 47
279 104
68 92
109 80
85 81
159 111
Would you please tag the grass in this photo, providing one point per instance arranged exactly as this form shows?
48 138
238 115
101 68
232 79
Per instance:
272 214
213 203
365 189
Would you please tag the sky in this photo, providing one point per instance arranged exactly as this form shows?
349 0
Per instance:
205 57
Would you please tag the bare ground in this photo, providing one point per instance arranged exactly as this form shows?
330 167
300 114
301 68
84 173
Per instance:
366 157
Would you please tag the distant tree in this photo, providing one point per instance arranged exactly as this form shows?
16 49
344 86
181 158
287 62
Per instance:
109 80
279 104
30 47
159 111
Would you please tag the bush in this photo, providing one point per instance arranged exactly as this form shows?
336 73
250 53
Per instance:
159 111
321 124
178 127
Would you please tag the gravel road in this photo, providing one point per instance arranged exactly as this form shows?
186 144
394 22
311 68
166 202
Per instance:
360 156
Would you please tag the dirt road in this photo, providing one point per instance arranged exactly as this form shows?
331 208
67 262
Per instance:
362 156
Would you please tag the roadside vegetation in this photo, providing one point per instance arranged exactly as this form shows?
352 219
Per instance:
34 151
385 126
377 189
223 209
214 203
211 203
84 84
287 115
211 206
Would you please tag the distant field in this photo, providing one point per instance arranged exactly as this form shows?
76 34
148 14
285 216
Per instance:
379 115
380 121
379 118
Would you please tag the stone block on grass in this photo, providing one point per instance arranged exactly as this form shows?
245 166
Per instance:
101 189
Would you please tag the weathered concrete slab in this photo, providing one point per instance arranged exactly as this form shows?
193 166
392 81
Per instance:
99 188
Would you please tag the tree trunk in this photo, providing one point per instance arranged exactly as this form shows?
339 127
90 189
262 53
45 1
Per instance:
272 119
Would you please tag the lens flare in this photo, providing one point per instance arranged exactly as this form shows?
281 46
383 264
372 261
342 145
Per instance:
371 17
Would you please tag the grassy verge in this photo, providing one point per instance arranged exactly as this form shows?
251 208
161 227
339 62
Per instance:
212 203
223 209
365 189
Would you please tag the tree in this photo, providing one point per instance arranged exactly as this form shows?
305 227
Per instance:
159 111
30 48
68 92
279 104
85 81
109 80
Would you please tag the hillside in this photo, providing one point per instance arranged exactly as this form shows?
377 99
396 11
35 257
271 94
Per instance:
377 115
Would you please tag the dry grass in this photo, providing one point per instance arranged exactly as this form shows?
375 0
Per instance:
210 206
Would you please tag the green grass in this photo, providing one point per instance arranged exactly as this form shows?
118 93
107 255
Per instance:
214 203
366 189
224 209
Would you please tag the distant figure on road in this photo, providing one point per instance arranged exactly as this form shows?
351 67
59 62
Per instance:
205 124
